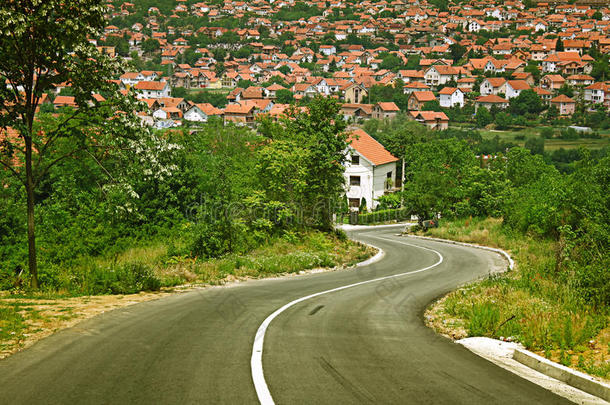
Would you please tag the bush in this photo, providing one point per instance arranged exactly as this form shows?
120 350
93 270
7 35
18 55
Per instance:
384 215
569 134
128 278
209 240
547 133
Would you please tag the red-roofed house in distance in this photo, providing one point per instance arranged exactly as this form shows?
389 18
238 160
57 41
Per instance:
370 170
450 97
151 89
383 110
564 104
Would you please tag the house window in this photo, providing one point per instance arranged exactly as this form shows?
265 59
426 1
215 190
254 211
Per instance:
389 175
354 180
355 159
354 202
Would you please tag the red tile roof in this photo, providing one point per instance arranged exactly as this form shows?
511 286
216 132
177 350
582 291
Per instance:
368 147
388 106
146 85
492 98
562 98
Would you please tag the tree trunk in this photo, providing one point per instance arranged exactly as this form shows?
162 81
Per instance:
29 185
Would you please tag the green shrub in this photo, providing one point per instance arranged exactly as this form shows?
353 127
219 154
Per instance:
547 133
120 279
384 215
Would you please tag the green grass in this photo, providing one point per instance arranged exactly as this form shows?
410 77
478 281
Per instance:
549 144
166 263
224 90
528 304
12 323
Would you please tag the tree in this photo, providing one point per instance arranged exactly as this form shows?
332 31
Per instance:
191 56
503 120
120 44
243 52
320 133
220 54
285 69
150 45
244 84
526 102
559 45
398 134
43 44
483 117
567 90
219 68
432 105
532 67
601 67
439 176
389 61
413 62
457 51
552 113
535 145
284 96
224 153
547 133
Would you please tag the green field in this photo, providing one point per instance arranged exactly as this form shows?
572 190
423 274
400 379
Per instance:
549 144
224 90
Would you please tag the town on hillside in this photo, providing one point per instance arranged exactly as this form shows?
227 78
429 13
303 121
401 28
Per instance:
441 63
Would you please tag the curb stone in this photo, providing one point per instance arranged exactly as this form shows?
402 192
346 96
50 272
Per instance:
560 372
378 256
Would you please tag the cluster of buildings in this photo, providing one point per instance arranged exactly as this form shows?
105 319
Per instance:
502 49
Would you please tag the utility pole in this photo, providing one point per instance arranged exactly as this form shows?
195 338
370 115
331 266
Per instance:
402 184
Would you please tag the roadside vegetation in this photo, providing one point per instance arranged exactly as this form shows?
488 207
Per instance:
178 207
547 311
172 208
113 281
554 218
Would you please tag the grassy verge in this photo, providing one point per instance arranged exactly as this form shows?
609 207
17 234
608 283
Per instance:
528 305
107 283
518 136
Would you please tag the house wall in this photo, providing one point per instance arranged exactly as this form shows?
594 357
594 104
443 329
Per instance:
380 179
365 170
450 100
194 115
372 180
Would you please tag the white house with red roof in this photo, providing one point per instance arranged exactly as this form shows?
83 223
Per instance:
450 97
370 170
151 89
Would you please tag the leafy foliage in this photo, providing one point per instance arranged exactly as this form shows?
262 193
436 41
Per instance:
42 45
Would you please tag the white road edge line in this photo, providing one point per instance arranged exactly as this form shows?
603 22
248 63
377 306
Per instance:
256 362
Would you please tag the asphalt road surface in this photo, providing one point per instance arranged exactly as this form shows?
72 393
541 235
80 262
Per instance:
363 344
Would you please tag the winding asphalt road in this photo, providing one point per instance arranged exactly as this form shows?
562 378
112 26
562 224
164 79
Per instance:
363 344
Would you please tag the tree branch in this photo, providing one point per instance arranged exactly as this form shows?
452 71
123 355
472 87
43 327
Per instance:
13 171
39 176
100 165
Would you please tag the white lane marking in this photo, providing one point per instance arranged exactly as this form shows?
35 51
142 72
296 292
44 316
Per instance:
256 362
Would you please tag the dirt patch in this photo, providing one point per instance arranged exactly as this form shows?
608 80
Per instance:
438 320
27 320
